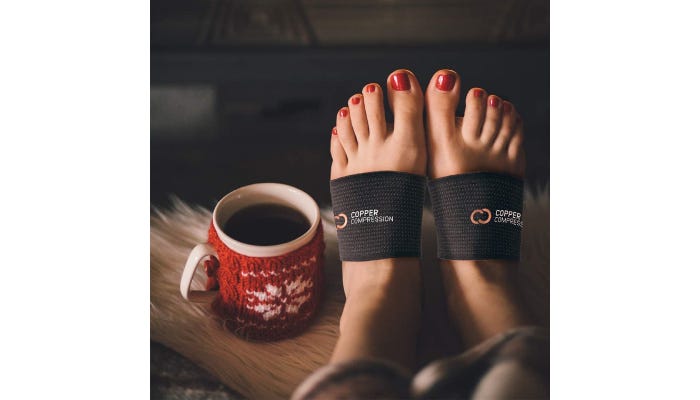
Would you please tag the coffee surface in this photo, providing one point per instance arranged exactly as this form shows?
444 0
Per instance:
266 224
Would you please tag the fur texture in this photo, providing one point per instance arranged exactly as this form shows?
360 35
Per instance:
274 369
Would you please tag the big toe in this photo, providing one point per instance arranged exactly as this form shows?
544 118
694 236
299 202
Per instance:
441 100
406 101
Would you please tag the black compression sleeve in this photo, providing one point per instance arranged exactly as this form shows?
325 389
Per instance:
378 215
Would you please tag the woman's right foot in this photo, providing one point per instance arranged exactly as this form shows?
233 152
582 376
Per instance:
481 295
382 308
362 141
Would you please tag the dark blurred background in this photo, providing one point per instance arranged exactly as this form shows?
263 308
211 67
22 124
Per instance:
246 91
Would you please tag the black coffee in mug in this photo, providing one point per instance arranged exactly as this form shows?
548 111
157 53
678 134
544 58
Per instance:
266 224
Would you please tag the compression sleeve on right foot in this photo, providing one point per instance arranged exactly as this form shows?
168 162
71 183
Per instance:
378 215
478 216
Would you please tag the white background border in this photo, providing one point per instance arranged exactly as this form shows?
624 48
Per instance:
74 161
624 184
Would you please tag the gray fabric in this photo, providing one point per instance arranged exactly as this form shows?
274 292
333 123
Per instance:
174 377
512 365
361 379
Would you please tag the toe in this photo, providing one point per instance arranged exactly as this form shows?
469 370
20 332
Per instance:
345 131
358 117
373 100
474 113
515 146
340 159
508 127
492 122
406 101
337 151
441 99
516 149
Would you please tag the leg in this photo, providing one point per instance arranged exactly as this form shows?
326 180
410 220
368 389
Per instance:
382 311
380 320
381 315
482 298
482 295
505 359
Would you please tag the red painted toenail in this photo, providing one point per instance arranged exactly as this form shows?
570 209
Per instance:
334 131
494 101
506 107
370 88
399 81
355 100
344 112
478 93
445 82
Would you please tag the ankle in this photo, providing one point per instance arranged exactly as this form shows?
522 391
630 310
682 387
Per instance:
388 287
389 276
483 298
496 274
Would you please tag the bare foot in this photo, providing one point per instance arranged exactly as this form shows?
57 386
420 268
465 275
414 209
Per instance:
481 295
488 138
382 308
363 142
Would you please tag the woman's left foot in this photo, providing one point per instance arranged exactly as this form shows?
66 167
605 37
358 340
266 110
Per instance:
487 139
482 295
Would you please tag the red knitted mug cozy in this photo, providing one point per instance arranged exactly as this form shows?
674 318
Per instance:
268 298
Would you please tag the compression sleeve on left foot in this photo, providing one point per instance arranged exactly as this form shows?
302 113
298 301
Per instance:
378 214
478 216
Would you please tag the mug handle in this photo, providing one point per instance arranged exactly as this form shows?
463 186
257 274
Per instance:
196 296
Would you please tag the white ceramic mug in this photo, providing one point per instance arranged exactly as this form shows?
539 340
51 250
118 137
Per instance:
261 287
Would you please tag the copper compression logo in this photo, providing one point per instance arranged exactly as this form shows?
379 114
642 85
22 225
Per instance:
361 217
341 217
482 216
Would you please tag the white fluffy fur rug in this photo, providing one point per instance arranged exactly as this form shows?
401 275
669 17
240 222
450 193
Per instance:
273 370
